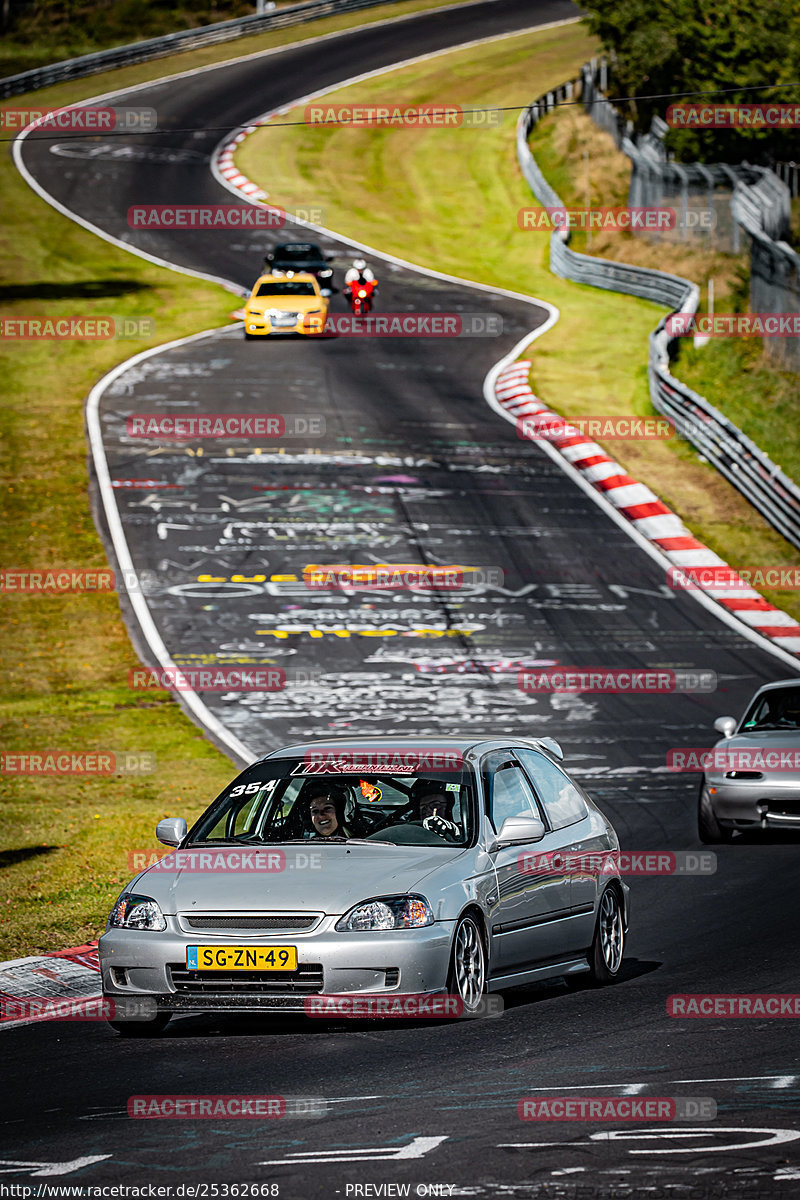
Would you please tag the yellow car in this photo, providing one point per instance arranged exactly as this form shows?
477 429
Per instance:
285 303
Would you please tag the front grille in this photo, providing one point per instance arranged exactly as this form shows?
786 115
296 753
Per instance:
281 921
305 981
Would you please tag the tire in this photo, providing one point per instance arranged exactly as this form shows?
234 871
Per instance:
141 1029
608 943
467 975
709 830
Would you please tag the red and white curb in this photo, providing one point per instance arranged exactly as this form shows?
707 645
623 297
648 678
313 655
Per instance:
64 975
231 173
646 513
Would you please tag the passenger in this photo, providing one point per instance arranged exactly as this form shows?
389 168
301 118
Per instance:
434 808
326 806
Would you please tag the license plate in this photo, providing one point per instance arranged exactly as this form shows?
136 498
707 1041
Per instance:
241 958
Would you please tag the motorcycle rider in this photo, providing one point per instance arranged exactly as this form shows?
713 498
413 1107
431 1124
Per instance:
359 273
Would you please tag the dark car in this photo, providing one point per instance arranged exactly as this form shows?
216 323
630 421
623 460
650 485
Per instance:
302 256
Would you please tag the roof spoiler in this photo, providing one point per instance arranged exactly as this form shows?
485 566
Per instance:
552 745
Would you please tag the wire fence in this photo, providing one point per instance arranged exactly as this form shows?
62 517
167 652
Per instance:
173 43
734 455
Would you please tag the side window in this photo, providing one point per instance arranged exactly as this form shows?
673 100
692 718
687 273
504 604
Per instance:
562 801
509 793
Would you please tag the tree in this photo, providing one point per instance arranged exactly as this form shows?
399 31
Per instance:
719 50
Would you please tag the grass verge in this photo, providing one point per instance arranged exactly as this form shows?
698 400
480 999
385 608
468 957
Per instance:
449 199
66 839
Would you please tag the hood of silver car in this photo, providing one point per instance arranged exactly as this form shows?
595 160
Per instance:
314 877
761 750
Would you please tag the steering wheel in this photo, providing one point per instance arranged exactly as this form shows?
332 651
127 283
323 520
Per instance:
398 815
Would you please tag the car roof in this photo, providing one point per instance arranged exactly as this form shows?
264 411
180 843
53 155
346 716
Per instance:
473 746
776 685
309 247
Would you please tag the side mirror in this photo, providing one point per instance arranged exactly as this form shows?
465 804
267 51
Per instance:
516 831
725 726
171 831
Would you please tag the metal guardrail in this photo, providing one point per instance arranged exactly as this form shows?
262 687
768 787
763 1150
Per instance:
173 43
734 455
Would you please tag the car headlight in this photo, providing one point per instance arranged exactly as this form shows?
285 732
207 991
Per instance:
136 912
325 274
387 912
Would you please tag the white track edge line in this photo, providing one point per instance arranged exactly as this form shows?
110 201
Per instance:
136 597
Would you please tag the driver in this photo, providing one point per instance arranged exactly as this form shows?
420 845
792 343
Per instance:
434 807
326 807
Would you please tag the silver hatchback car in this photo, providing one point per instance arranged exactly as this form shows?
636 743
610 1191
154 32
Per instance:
371 868
753 779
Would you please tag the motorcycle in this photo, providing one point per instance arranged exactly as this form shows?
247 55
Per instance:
360 294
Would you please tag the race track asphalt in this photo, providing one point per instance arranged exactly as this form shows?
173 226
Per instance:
413 466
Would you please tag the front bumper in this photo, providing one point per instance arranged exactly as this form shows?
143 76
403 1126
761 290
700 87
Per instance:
260 326
759 803
135 963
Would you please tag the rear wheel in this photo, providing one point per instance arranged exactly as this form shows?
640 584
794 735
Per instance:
467 977
608 944
708 827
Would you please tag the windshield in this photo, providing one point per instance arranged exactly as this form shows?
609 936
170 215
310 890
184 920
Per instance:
290 799
290 287
774 710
